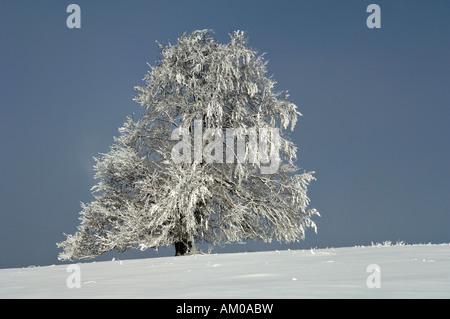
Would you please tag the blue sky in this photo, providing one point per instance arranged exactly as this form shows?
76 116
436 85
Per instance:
375 105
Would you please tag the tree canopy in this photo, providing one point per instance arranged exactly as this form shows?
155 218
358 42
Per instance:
210 159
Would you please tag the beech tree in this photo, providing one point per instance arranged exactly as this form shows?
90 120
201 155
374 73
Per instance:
209 160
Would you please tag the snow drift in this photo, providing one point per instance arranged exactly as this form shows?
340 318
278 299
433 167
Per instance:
413 271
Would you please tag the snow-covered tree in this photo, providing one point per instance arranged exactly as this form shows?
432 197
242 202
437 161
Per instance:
195 167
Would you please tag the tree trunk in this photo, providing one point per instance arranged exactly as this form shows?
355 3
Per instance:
183 248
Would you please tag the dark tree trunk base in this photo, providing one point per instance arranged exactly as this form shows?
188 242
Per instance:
183 248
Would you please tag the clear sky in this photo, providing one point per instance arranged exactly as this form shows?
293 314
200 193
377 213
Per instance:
376 106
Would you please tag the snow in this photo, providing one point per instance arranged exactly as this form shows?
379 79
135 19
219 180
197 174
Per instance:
405 271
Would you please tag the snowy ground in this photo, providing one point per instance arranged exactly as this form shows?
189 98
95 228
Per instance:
417 271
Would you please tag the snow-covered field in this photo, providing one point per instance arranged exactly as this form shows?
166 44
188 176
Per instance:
402 271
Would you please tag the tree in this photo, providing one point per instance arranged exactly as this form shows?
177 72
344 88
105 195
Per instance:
208 161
